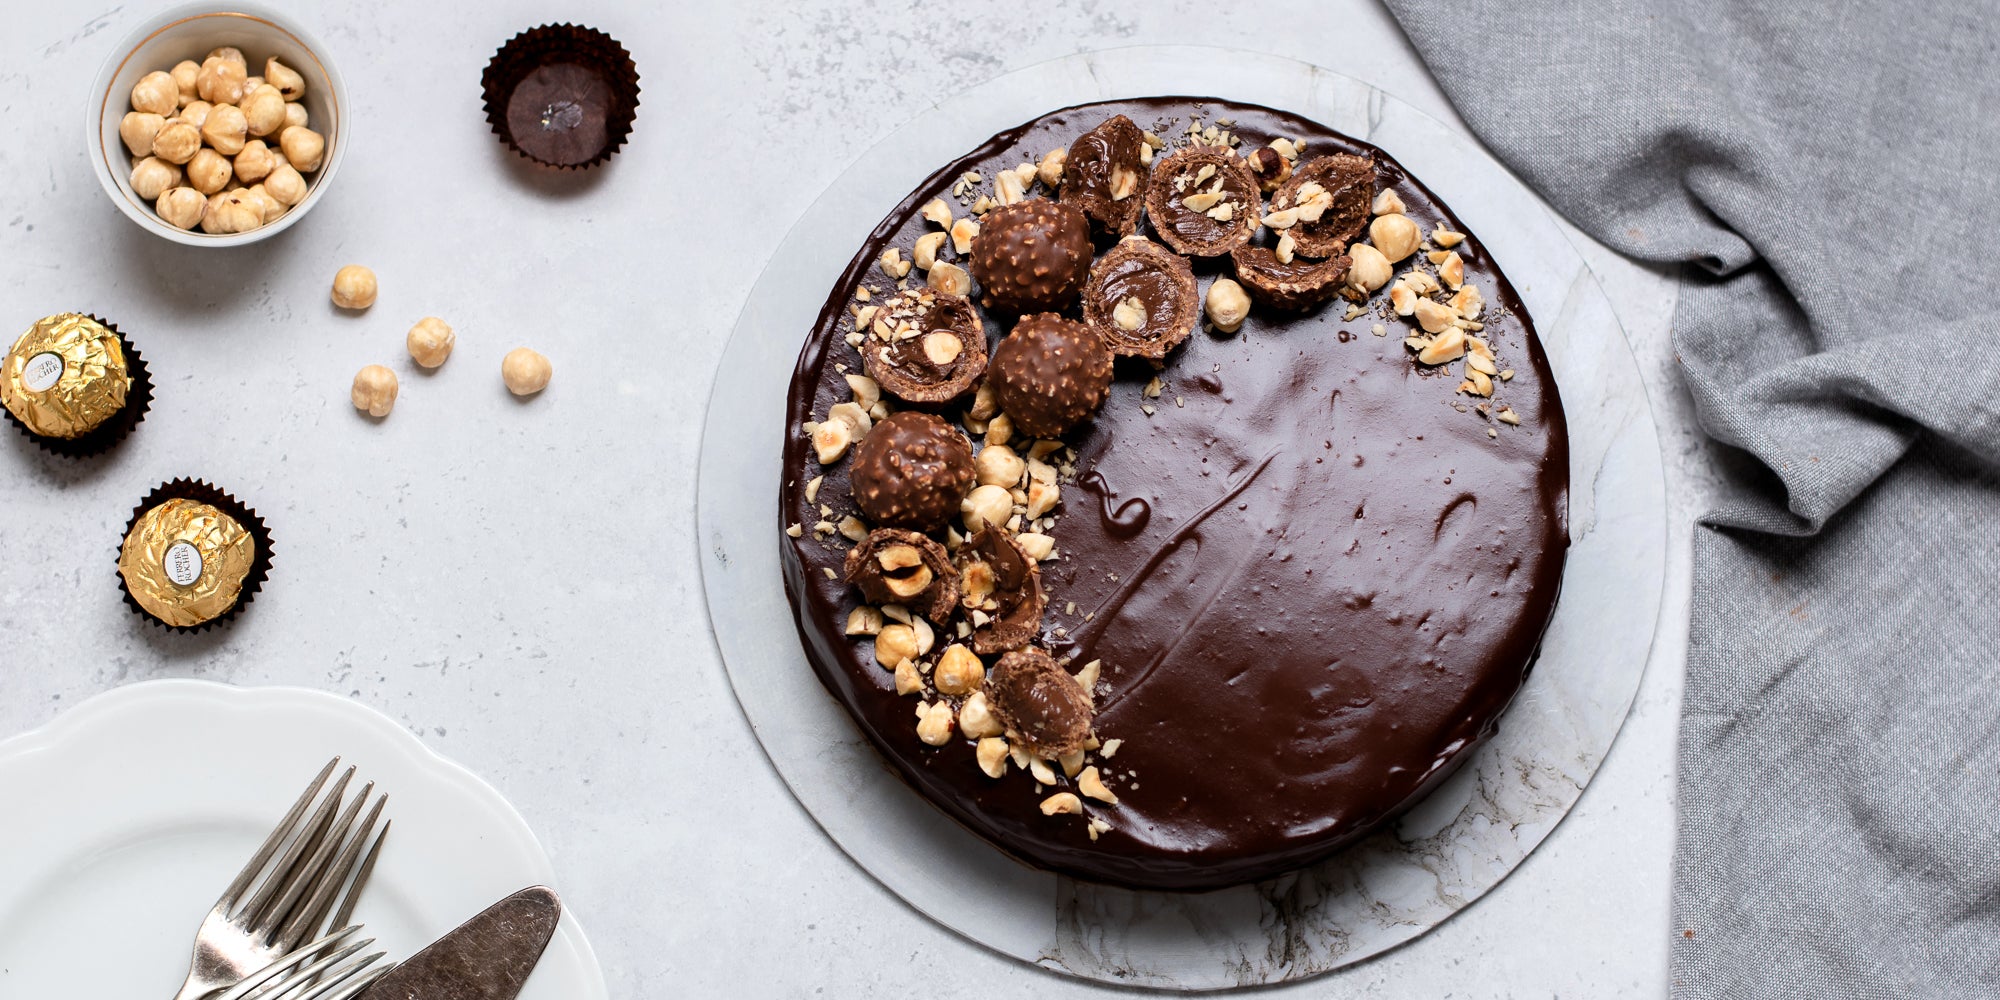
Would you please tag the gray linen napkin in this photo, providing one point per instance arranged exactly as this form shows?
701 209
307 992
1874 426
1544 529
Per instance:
1830 175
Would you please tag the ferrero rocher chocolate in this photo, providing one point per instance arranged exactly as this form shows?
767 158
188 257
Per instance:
66 377
185 562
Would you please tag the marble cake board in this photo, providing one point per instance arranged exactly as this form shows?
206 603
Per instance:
1441 856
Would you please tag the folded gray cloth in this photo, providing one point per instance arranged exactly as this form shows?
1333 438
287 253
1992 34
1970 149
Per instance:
1830 175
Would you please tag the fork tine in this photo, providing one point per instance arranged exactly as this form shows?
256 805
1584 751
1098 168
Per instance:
358 986
257 979
306 987
308 839
306 975
343 916
306 878
305 918
275 840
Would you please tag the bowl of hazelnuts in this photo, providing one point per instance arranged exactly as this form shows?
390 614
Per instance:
217 127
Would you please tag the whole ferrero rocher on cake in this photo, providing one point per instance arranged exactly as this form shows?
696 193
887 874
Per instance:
1174 492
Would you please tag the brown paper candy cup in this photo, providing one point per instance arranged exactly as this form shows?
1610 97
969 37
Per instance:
562 95
138 399
201 491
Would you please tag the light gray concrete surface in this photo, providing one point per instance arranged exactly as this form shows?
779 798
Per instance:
516 581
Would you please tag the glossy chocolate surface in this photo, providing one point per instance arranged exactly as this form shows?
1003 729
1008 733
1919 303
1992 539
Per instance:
1313 580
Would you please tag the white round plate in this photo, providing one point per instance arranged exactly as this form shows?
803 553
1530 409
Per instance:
122 821
1448 851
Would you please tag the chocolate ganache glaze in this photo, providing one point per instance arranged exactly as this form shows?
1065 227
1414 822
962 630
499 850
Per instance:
1314 573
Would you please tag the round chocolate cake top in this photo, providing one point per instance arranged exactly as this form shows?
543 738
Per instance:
1050 374
1141 298
911 471
1203 201
1031 255
1304 568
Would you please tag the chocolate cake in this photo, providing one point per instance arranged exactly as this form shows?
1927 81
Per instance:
1266 589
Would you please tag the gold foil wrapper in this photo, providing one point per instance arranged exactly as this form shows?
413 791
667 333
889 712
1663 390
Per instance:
192 585
89 388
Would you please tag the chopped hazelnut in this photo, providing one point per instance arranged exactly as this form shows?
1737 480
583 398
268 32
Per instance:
962 233
998 465
1387 202
975 718
1434 316
1036 545
937 211
1446 347
909 680
926 251
1050 170
934 723
1451 270
863 620
992 754
986 505
1091 783
1061 803
950 279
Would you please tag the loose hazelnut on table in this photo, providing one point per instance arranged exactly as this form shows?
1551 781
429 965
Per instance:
225 130
374 391
353 285
303 147
152 176
525 371
177 142
156 93
138 128
430 341
208 172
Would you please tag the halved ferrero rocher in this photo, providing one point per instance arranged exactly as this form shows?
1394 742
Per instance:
1031 255
911 471
1141 298
894 566
1039 702
999 581
1289 287
1326 203
1050 374
1105 175
925 347
1204 201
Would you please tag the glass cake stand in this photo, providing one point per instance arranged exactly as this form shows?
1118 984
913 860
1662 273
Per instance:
1440 857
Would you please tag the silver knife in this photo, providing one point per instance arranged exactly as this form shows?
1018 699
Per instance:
486 958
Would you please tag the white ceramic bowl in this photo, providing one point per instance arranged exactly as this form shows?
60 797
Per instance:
189 32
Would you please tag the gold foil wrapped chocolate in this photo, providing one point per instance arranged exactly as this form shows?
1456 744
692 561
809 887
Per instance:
185 562
66 376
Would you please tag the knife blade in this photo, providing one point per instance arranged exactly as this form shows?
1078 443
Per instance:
486 958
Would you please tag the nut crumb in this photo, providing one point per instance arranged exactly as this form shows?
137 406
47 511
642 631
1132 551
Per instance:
1060 803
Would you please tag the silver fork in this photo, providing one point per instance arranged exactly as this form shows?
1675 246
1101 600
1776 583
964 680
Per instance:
323 978
262 930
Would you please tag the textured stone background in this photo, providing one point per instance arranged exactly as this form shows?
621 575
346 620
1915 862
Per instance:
516 582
